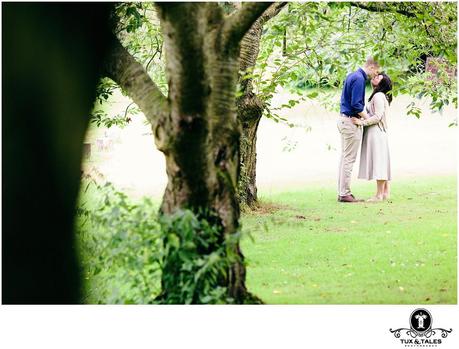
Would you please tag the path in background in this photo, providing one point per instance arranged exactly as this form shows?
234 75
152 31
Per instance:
287 157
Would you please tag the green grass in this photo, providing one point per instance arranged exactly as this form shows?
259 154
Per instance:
310 249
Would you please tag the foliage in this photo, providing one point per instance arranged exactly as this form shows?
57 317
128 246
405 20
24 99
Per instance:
137 27
325 41
129 254
98 116
119 246
101 118
144 41
130 16
195 261
104 90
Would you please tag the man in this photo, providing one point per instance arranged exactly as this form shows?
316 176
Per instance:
352 105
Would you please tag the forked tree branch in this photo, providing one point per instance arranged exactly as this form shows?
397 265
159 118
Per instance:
131 76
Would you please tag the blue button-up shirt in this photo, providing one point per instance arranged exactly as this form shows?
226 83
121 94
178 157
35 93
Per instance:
353 95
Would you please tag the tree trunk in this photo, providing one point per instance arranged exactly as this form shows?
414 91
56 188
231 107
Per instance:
202 152
197 129
250 108
250 111
202 156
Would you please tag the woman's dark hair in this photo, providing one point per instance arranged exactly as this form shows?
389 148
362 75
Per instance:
384 86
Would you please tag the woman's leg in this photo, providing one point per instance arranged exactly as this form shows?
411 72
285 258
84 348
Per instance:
386 192
380 185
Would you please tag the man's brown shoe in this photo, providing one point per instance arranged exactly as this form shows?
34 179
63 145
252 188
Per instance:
348 198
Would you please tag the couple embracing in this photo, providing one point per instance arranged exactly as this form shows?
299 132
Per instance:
366 127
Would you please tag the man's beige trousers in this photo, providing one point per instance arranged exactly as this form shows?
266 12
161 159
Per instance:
351 136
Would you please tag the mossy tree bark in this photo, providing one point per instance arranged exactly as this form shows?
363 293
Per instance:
196 125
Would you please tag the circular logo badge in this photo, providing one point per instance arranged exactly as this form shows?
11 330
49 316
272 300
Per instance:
420 320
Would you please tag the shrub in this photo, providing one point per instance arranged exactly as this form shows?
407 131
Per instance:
195 260
131 255
120 246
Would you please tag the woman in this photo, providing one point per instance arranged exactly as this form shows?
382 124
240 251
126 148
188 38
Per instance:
374 154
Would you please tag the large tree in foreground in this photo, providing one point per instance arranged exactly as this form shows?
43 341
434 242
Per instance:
196 125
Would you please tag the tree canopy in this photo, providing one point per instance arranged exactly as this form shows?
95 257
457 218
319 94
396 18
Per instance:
316 44
325 41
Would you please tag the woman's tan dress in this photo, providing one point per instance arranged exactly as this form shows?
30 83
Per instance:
374 154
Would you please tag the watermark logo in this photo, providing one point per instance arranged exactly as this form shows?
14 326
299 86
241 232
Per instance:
421 333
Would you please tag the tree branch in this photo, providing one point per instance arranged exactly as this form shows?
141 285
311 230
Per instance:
384 7
131 76
250 43
236 25
272 11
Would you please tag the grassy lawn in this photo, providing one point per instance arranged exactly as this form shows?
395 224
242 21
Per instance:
310 249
